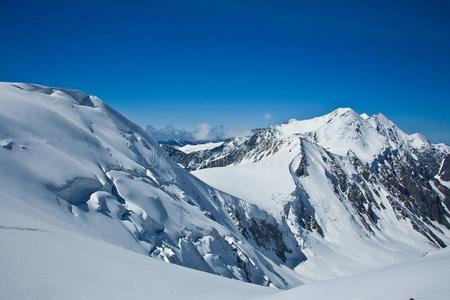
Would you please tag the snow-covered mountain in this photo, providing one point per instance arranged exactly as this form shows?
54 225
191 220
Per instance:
70 161
355 191
297 202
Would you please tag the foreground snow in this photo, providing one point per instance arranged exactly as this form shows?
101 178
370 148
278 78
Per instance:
423 278
39 261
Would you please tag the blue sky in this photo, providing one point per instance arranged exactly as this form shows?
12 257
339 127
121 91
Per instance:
230 62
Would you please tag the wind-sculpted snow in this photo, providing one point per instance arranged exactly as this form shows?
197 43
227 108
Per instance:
71 161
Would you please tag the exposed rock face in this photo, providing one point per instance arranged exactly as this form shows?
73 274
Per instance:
444 172
254 148
409 179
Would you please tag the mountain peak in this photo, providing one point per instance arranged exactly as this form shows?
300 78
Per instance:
364 116
344 129
342 110
76 96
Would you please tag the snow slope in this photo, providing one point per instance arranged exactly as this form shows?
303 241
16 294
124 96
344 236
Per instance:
44 262
266 183
421 278
39 261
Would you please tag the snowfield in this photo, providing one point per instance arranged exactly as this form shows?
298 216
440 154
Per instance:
42 262
91 207
421 278
199 147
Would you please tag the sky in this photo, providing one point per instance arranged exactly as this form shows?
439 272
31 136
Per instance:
238 64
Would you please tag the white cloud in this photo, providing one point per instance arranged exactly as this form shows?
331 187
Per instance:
238 130
170 133
267 116
203 133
